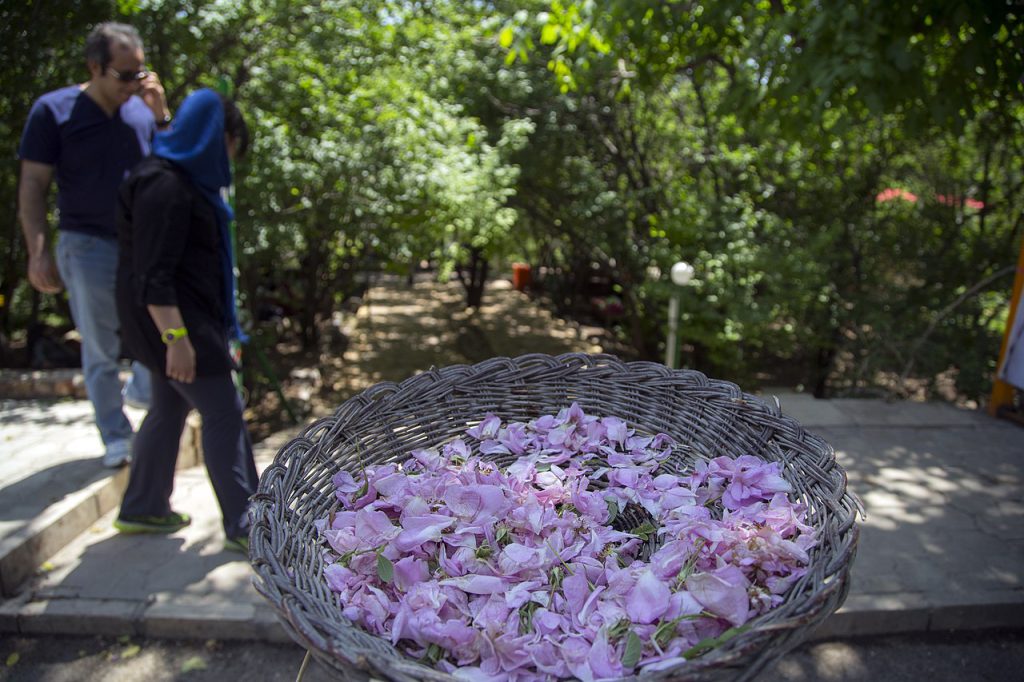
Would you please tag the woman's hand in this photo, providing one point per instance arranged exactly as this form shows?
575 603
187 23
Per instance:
181 361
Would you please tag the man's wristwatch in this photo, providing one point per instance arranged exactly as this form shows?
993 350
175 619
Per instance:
172 334
164 122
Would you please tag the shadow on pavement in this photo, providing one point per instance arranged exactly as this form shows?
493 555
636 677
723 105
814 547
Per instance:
26 498
140 568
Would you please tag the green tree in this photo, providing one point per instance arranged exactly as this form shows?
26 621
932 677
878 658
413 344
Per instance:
605 140
772 127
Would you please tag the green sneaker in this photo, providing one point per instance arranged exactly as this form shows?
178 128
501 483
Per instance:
152 524
237 545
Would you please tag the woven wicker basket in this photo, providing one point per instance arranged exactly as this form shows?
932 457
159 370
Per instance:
388 420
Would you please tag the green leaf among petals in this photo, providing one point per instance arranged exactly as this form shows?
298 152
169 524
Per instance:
634 647
385 569
613 511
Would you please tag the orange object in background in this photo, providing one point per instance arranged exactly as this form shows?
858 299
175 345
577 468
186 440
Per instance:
521 276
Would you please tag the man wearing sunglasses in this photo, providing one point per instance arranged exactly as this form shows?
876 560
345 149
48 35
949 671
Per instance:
88 137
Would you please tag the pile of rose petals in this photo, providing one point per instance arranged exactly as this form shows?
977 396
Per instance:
528 572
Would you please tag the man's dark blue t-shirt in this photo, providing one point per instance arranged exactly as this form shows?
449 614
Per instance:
92 153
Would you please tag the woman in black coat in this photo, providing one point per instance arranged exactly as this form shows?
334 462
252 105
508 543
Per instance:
175 298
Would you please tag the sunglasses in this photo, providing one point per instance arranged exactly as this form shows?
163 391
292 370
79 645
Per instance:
129 77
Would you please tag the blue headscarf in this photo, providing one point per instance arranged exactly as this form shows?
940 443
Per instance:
195 143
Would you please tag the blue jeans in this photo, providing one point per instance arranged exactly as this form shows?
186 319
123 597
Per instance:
88 266
137 389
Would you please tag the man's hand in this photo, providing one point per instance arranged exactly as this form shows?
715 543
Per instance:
43 274
32 189
181 361
152 93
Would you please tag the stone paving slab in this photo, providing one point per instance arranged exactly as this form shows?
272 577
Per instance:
52 481
179 585
813 413
943 543
50 447
25 547
51 383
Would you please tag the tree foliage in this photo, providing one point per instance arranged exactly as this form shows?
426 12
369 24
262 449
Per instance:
774 128
774 144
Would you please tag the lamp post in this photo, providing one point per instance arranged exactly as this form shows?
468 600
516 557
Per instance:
682 273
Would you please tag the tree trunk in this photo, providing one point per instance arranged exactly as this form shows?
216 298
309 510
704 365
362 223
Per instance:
9 280
825 359
33 327
473 276
313 262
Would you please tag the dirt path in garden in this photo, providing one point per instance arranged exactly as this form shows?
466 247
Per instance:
401 330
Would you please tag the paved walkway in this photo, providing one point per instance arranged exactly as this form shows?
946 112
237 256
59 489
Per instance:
942 547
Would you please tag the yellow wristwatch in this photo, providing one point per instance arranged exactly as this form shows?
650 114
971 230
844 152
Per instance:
172 334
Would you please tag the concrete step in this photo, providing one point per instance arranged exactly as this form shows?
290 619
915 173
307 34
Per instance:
183 585
54 485
28 384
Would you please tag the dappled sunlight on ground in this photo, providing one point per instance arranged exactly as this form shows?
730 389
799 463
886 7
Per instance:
933 657
838 657
837 661
403 330
225 578
947 525
400 330
516 325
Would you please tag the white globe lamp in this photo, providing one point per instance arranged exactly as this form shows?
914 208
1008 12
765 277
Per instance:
682 273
